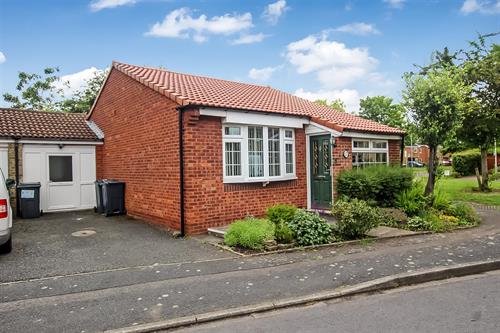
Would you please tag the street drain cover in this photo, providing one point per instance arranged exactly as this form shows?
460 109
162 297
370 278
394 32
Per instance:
83 233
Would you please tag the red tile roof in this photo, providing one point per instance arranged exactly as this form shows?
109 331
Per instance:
186 89
28 124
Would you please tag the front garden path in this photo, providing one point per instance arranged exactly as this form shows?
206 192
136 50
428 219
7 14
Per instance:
113 299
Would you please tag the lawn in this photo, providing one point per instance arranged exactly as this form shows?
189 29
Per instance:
461 189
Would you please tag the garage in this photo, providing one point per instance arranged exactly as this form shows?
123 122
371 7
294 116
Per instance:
66 174
57 150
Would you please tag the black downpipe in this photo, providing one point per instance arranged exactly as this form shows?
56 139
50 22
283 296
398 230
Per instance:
181 171
16 168
402 149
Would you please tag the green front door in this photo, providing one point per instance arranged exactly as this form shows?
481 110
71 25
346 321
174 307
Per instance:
321 178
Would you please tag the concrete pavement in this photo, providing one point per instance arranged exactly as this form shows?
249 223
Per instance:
122 297
467 304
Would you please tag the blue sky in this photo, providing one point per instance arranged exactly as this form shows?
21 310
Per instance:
316 49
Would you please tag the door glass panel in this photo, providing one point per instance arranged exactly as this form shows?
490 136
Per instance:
326 157
61 168
315 158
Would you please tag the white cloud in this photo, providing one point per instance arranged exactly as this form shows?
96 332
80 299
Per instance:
480 6
103 4
249 39
2 58
395 3
349 96
274 11
71 83
334 63
262 74
180 24
358 28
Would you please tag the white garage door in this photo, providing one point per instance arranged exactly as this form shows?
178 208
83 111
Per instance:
4 162
66 175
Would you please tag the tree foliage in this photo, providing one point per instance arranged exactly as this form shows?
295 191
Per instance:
84 98
436 102
382 110
336 104
36 91
481 122
42 92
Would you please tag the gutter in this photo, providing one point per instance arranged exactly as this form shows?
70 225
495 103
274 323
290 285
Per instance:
181 172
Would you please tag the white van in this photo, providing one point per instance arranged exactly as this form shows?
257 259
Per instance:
5 216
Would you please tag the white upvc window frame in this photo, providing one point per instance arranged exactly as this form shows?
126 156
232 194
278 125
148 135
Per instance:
371 149
245 169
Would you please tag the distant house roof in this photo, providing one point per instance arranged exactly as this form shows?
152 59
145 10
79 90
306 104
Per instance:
28 124
186 89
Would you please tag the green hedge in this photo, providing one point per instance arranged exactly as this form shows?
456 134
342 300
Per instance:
375 184
466 162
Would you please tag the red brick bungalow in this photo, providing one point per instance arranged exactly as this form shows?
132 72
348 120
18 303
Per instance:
242 147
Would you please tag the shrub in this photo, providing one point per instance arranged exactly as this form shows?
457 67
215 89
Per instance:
250 233
466 162
281 212
412 201
393 217
282 233
280 215
465 214
379 184
417 223
439 199
354 219
310 228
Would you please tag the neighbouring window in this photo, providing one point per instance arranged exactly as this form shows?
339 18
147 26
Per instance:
233 158
289 157
360 144
61 168
368 152
274 151
255 152
258 153
232 131
379 144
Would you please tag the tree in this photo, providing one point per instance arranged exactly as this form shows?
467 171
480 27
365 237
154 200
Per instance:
381 110
84 98
436 102
36 91
336 104
41 92
481 123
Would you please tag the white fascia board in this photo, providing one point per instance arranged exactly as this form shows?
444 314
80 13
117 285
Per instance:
6 141
75 143
371 136
315 128
255 118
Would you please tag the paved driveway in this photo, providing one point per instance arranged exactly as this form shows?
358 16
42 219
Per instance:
46 247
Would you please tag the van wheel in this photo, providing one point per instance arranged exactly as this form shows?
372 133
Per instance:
6 247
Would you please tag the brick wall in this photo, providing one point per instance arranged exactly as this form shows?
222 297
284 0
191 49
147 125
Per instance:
11 154
140 147
210 202
395 152
339 161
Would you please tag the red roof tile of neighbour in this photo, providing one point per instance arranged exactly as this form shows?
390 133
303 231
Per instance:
28 124
188 89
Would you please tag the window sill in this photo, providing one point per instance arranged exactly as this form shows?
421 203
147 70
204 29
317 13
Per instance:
258 180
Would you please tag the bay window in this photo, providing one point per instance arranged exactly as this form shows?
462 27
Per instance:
258 153
367 152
